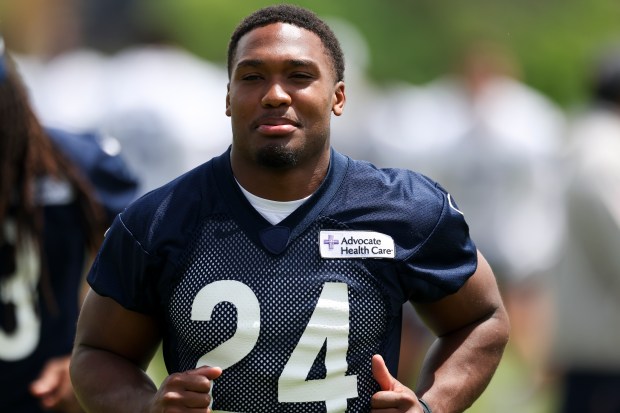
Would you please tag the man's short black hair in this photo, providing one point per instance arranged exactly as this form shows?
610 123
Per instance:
297 16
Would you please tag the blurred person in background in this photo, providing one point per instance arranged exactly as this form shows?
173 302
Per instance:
164 106
494 143
586 345
163 101
125 76
58 193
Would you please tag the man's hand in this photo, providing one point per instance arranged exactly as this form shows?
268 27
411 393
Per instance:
188 390
53 387
393 396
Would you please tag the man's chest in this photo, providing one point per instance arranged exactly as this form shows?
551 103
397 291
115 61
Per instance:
296 328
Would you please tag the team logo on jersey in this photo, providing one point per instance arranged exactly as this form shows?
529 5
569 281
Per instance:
355 244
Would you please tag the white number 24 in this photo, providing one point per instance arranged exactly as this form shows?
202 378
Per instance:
329 323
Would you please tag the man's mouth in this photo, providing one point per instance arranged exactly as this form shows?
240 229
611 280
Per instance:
276 126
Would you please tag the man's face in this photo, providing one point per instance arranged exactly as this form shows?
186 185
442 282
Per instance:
281 95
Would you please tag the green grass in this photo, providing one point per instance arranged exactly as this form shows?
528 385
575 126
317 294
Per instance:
514 390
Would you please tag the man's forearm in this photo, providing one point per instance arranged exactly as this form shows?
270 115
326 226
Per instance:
109 383
459 365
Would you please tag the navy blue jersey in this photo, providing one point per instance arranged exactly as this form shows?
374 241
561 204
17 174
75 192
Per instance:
35 327
292 312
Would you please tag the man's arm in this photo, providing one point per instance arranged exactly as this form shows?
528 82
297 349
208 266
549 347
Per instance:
472 329
112 350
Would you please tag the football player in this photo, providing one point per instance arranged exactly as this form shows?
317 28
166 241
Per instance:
275 274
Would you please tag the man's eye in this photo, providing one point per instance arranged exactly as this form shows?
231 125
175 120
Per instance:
251 77
301 76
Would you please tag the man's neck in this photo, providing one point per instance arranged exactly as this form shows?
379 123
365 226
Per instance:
281 185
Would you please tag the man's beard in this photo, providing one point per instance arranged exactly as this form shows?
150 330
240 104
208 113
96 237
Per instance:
277 156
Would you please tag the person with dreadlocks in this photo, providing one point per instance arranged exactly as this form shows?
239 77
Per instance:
58 192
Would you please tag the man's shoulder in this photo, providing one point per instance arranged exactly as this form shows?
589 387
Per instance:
393 198
409 183
182 202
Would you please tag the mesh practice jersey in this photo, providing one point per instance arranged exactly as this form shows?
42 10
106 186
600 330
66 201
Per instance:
291 312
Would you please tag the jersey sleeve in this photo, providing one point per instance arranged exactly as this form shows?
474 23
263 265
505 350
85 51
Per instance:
141 253
447 257
124 271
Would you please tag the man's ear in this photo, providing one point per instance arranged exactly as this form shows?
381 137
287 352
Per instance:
228 99
339 99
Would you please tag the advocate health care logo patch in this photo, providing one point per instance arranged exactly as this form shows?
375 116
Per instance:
355 244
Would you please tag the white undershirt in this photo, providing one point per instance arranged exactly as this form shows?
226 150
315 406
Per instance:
272 211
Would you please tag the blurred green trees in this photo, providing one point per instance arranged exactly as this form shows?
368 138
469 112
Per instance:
409 40
417 40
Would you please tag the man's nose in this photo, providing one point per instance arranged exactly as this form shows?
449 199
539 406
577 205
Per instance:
275 96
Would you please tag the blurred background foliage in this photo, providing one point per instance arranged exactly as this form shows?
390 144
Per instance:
418 40
415 41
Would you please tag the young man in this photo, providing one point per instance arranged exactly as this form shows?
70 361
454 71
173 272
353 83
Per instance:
275 273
